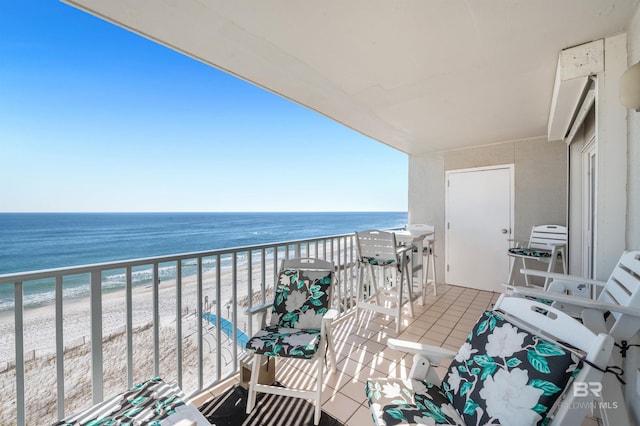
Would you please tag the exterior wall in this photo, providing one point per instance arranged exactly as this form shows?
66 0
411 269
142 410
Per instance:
633 209
633 157
611 214
540 184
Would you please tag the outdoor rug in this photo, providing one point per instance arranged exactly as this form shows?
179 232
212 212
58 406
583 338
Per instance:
228 409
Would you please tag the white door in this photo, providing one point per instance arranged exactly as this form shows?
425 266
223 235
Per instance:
478 226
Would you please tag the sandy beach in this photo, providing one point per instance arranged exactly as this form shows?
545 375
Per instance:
39 336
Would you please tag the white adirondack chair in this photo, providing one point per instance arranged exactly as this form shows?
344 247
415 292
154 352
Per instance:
300 326
379 252
490 380
546 244
611 307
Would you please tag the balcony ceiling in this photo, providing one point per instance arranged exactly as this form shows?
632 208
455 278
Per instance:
419 75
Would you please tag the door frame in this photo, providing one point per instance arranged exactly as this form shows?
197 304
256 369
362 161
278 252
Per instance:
589 187
511 168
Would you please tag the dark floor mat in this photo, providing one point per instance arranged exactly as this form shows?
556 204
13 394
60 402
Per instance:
228 409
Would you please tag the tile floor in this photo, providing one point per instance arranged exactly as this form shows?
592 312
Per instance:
444 320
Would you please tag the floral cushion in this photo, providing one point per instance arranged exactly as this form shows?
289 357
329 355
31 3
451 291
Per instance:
409 402
153 403
503 374
286 342
301 299
529 252
381 262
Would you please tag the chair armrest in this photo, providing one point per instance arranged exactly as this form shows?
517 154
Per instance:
561 277
432 353
403 249
258 308
574 300
331 315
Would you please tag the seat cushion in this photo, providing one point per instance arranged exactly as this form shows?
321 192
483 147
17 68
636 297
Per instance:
503 374
286 342
529 252
152 402
405 401
301 299
380 262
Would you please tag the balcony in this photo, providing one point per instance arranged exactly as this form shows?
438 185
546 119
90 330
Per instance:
361 349
60 372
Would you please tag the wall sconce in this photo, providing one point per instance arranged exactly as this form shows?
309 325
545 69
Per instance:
630 87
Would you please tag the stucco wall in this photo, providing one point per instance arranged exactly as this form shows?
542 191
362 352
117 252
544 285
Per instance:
633 207
540 184
633 149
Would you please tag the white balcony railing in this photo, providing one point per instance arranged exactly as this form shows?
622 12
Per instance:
185 309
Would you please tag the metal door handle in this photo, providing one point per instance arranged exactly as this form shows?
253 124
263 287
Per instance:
504 231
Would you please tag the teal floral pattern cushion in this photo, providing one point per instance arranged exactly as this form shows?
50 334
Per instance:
152 402
529 252
374 261
301 299
409 402
286 342
503 374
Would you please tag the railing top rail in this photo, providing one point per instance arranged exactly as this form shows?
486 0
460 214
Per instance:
118 264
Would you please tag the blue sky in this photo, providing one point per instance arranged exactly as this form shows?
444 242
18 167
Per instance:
95 118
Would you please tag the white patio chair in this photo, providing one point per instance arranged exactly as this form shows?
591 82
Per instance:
301 318
546 244
428 253
378 250
611 307
507 372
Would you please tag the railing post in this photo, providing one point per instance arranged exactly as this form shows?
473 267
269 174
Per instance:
199 323
234 306
19 331
129 302
156 319
59 348
250 288
96 336
179 320
218 314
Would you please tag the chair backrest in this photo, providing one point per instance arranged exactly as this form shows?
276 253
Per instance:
303 293
377 247
543 235
507 368
422 227
623 288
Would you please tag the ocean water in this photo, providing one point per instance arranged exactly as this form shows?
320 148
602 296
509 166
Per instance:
34 241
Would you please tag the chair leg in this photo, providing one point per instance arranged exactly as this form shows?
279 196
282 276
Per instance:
409 288
552 266
432 254
332 352
319 381
526 277
359 292
399 304
255 372
512 270
374 282
564 261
